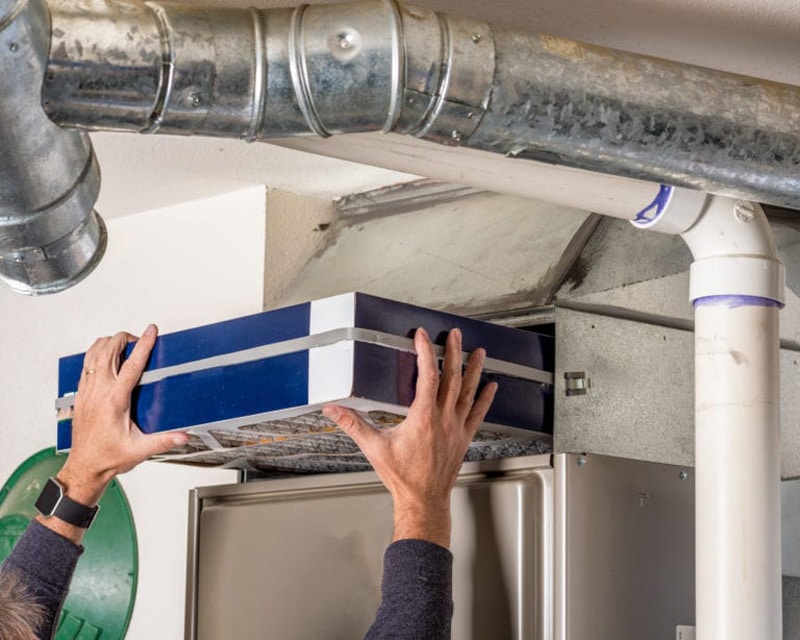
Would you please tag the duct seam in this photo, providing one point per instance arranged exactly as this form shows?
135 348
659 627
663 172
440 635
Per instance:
259 76
433 111
52 250
52 208
464 88
398 69
299 72
166 77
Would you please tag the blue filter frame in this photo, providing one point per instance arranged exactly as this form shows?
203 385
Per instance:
251 389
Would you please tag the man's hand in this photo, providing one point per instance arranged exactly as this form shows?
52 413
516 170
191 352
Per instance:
105 441
419 459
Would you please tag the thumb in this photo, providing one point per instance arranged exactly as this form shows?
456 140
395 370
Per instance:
157 443
349 422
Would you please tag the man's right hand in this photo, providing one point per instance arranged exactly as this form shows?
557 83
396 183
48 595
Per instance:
418 460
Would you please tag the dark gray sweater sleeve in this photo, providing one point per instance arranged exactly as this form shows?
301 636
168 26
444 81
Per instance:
45 561
417 593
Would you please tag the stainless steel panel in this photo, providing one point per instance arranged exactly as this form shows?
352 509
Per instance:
626 532
640 400
302 557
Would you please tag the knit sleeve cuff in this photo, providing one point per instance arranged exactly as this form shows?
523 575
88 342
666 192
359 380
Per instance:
45 555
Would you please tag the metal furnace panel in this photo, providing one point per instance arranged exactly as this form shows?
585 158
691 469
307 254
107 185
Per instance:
624 548
302 558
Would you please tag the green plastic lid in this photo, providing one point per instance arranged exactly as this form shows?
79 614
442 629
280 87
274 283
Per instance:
103 589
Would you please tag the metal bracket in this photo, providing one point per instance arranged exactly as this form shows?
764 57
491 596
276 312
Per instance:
576 383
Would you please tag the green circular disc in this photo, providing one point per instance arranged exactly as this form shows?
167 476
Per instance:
103 589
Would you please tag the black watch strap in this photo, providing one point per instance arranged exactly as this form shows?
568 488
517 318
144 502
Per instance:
52 501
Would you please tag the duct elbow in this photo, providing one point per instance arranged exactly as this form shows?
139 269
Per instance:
734 251
50 235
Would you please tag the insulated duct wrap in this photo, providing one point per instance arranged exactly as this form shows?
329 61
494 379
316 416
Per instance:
376 65
50 237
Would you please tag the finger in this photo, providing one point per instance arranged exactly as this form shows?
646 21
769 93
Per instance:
149 445
97 347
450 386
469 384
348 421
92 359
134 365
105 358
480 408
427 371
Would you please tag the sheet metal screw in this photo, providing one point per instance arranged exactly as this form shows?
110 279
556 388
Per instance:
744 211
683 475
195 99
455 135
13 47
581 461
476 38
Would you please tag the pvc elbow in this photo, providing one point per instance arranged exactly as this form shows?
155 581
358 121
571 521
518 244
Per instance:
734 252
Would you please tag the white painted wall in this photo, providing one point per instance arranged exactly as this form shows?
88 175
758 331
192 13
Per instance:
187 265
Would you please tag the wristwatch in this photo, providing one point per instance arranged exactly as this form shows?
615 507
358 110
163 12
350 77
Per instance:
52 501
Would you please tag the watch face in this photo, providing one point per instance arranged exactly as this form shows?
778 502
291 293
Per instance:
48 500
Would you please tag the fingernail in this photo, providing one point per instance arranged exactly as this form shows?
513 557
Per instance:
150 331
422 331
456 332
331 411
180 439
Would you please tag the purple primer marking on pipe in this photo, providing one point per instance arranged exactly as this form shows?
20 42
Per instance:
734 301
657 207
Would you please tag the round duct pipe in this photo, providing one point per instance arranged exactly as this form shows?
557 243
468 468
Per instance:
381 66
50 236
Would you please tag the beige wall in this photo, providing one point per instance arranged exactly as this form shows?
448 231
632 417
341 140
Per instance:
179 267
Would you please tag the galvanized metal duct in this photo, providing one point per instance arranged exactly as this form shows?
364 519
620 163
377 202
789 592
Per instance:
50 237
377 65
330 69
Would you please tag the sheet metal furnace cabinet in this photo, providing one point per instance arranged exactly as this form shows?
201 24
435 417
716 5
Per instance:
562 547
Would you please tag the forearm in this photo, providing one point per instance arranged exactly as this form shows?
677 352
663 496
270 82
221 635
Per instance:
415 520
45 561
417 599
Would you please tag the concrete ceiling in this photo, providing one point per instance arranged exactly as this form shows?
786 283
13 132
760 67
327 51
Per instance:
752 37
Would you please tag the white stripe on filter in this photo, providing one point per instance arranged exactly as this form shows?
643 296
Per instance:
330 372
335 312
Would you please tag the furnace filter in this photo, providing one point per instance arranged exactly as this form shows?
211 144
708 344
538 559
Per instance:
250 390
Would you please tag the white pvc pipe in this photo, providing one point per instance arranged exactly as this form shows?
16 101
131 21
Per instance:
737 287
609 195
737 457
